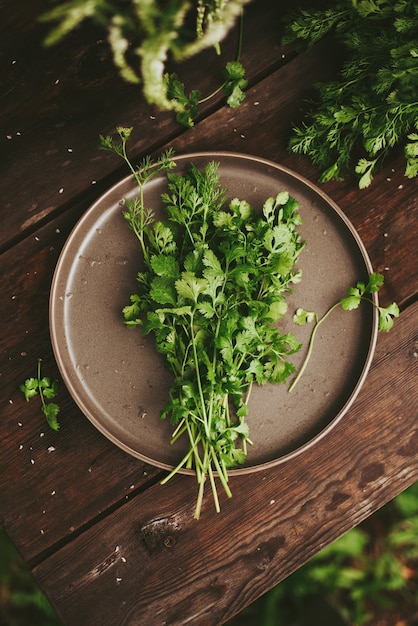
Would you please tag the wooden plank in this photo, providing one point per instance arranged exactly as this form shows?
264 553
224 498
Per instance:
52 483
151 562
56 102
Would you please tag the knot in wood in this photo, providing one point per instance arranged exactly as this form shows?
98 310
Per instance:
159 534
169 541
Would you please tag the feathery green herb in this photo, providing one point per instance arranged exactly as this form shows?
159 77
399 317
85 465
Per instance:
212 288
47 389
358 119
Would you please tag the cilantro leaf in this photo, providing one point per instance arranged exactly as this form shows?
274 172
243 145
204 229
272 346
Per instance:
386 316
51 411
235 83
302 317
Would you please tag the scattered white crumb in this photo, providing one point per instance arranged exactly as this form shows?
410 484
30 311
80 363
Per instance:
19 424
53 492
51 449
61 190
272 501
32 461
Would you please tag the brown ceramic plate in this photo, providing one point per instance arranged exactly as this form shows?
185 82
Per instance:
115 374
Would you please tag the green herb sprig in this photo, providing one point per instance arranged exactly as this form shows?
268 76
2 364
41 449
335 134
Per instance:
143 36
47 389
361 292
356 121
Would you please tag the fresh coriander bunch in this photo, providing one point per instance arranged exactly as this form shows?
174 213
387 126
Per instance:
144 36
213 285
373 107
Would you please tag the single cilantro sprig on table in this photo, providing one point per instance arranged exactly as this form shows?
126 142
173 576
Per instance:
350 302
47 389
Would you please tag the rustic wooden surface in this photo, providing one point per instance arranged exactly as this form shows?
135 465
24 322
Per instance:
107 542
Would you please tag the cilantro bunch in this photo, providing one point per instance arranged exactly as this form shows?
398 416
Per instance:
357 120
212 287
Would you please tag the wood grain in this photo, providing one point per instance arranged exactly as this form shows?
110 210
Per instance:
151 563
107 542
52 483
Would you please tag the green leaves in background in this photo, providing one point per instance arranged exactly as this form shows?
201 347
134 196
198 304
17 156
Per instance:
358 119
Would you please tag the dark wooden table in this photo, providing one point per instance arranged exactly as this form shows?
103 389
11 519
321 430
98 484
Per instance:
106 542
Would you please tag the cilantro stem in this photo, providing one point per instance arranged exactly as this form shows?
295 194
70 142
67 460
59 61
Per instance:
237 58
350 302
318 322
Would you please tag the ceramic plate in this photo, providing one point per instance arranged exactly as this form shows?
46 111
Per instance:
118 379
